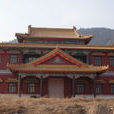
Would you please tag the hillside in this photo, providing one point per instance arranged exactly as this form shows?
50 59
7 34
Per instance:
56 106
102 36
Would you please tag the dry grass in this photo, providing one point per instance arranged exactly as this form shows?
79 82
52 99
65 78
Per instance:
55 106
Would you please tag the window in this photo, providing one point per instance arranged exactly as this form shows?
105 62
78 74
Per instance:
13 59
111 60
80 88
112 88
12 87
98 60
31 87
31 59
99 88
81 58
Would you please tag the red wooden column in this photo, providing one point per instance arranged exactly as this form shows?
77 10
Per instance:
88 58
73 86
19 85
94 86
41 86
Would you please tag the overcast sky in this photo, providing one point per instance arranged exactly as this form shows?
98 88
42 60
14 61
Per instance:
16 15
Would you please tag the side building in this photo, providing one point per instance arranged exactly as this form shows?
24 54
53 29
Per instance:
55 62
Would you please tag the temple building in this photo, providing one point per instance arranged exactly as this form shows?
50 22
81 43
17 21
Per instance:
56 62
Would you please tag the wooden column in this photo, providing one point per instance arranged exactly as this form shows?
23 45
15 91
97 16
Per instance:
94 86
19 85
41 86
90 88
73 86
88 58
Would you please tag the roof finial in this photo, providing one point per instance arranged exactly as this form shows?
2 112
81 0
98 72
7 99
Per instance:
29 29
74 27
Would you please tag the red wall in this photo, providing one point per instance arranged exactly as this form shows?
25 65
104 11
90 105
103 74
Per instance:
67 85
24 85
105 61
5 58
4 61
4 83
67 81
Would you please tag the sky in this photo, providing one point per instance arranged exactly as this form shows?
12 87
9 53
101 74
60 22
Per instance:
16 15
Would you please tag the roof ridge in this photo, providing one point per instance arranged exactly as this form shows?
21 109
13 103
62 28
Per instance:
52 28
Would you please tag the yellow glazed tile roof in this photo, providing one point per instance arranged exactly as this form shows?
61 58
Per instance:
80 68
57 68
53 33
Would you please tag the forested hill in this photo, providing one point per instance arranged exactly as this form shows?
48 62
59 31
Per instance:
102 36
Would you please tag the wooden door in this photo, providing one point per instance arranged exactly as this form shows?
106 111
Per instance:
56 87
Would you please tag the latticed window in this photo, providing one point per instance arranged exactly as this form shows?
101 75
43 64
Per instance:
99 88
31 87
12 87
112 88
111 60
13 59
80 88
98 60
31 59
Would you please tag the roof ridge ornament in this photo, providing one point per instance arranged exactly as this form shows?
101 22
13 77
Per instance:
74 28
29 29
75 31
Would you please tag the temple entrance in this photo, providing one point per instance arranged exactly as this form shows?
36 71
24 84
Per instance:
56 87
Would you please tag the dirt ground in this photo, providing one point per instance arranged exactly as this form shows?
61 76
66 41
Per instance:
10 105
